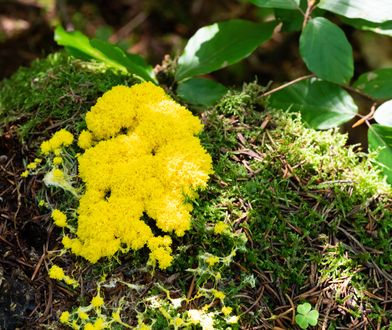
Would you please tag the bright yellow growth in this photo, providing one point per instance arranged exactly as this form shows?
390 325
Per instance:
226 310
25 174
211 261
60 219
97 302
64 317
59 139
56 273
142 158
220 227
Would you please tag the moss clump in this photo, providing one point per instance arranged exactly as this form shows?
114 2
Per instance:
57 88
314 210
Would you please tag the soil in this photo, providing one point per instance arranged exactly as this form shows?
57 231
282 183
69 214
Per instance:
23 238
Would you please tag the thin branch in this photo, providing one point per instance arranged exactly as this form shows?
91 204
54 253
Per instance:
287 84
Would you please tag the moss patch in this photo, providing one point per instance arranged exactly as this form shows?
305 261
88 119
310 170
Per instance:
52 90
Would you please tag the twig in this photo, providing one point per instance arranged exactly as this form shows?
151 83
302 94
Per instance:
293 307
190 291
287 84
256 301
380 271
38 264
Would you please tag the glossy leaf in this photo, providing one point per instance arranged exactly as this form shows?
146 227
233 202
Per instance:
218 45
79 45
381 136
377 83
383 114
323 105
201 91
326 51
285 4
375 11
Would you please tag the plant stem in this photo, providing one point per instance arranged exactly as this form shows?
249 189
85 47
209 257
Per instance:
309 9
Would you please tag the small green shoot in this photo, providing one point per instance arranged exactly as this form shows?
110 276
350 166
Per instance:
306 316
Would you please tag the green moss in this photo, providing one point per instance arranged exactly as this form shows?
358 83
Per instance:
300 195
55 89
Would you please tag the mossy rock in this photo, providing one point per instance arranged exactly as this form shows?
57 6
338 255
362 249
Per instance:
316 213
55 89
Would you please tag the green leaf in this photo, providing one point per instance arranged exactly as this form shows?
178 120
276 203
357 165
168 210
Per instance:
133 63
201 91
285 4
326 51
377 83
381 136
302 321
312 317
361 24
304 308
323 105
383 114
218 45
369 10
79 45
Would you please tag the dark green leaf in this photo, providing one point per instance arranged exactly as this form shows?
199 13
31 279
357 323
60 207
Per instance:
361 24
381 136
80 46
218 45
326 51
383 114
323 105
201 91
375 11
377 83
285 4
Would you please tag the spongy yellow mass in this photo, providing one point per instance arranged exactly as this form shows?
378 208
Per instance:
146 159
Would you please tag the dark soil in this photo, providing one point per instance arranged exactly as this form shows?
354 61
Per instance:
24 237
